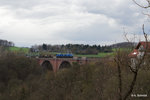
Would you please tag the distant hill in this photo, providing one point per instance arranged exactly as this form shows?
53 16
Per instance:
124 45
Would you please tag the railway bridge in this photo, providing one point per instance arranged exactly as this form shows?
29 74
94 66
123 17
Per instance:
55 64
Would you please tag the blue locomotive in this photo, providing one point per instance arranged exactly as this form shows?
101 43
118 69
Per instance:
64 56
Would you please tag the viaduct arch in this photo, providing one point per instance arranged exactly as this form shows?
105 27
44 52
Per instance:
65 64
47 65
54 64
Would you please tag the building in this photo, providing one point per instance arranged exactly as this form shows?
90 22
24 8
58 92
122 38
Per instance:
139 52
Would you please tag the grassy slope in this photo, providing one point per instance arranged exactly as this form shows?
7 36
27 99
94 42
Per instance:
26 51
102 54
18 49
99 55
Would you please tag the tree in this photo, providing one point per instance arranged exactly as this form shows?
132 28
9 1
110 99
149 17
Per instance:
139 62
123 59
44 46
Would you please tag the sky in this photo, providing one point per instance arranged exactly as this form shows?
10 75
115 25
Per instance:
30 22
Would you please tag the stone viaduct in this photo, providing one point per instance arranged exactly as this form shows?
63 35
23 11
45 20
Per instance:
58 63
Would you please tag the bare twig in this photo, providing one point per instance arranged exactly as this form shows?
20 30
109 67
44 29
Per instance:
131 69
148 1
146 14
125 35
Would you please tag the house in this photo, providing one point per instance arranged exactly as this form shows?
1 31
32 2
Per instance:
139 51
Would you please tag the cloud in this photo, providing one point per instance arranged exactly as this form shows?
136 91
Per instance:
28 22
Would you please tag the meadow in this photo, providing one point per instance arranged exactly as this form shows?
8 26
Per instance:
27 51
19 49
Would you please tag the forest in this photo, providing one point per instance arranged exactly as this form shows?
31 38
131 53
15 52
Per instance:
22 78
72 48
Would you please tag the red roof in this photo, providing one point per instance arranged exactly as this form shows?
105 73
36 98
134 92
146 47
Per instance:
135 52
144 44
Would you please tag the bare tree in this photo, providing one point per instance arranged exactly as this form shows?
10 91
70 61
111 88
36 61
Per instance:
119 60
138 64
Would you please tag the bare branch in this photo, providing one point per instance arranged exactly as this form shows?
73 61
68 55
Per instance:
146 14
142 5
137 67
119 77
145 35
131 86
125 35
131 69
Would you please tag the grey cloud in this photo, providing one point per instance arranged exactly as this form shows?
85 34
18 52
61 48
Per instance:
62 21
95 33
15 4
123 13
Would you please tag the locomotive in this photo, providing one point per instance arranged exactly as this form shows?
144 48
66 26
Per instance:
64 56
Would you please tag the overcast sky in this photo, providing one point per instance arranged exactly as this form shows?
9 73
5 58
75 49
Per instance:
29 22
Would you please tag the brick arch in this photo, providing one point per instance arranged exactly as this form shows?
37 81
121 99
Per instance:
64 64
47 65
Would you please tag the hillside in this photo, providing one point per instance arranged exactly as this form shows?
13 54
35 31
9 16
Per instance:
124 45
19 49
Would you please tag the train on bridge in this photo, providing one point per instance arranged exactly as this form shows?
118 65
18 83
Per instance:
64 56
60 61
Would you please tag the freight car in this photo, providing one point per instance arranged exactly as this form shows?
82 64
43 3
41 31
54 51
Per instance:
64 56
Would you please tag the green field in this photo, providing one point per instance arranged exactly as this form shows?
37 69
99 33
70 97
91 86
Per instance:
102 54
26 51
18 49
